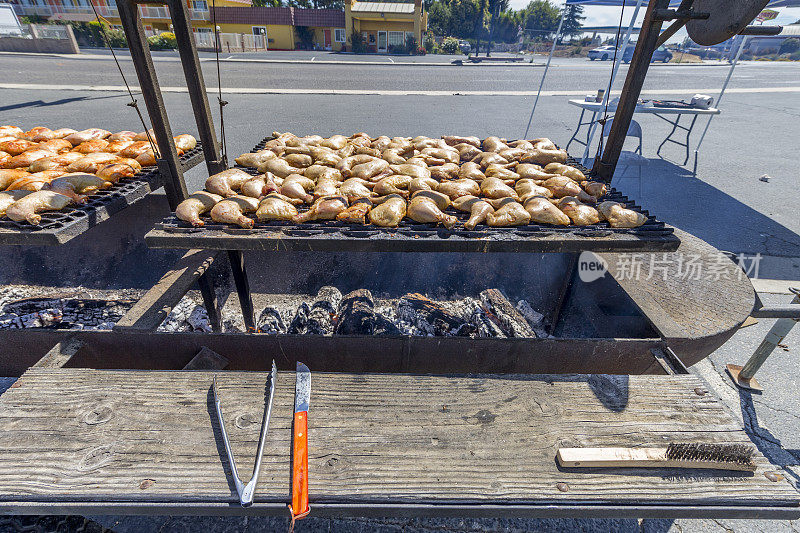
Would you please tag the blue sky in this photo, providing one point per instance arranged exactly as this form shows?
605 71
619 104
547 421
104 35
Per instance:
608 16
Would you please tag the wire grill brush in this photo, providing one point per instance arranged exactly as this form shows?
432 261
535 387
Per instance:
675 455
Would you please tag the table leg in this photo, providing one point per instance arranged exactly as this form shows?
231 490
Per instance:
577 130
236 259
675 127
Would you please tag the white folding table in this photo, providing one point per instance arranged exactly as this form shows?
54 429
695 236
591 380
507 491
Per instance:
664 113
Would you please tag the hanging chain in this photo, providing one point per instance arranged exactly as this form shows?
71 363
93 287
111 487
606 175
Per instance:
603 120
133 103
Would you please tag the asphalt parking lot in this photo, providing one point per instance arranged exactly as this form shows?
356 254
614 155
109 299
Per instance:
726 202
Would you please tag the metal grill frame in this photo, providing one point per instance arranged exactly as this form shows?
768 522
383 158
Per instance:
58 227
334 236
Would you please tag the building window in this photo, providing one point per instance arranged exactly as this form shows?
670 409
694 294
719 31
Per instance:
396 38
339 35
202 30
409 34
200 5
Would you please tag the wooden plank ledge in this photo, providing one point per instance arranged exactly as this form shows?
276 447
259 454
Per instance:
95 441
152 308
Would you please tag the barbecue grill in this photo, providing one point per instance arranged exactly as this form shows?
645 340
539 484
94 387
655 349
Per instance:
58 227
410 236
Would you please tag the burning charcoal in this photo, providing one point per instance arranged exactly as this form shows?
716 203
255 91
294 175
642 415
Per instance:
320 318
432 317
198 319
357 316
502 313
270 321
299 324
534 318
485 326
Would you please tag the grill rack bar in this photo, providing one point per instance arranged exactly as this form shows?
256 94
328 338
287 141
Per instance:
410 236
58 227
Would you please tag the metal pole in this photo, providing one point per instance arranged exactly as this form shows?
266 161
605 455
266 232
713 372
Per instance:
745 38
169 163
776 334
196 85
546 68
614 72
605 165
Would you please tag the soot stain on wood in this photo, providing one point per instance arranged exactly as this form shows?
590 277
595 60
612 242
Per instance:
510 399
246 421
483 417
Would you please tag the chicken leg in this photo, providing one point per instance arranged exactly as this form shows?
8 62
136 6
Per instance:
29 207
424 209
390 212
275 206
326 208
231 211
200 202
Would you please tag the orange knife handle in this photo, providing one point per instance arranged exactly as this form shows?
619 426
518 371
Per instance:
300 465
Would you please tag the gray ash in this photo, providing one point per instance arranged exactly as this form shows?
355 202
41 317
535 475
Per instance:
62 313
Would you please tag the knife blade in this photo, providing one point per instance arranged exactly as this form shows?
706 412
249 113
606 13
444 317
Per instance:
302 396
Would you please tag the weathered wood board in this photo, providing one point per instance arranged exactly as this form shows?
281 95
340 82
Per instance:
77 439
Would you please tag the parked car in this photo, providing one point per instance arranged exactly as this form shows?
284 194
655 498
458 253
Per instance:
465 46
602 53
661 54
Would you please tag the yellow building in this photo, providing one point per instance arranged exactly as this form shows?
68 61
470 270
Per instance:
385 24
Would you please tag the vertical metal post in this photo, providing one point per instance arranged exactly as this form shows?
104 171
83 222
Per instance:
605 165
546 68
196 85
169 164
236 259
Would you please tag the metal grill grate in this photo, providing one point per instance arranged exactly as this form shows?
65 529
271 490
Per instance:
57 227
333 235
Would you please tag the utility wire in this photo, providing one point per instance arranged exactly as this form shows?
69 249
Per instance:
222 103
603 120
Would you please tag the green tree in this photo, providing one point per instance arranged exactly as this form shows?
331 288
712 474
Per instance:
573 21
540 19
266 3
453 17
789 46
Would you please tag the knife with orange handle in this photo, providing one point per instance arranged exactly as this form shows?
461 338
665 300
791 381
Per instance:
302 395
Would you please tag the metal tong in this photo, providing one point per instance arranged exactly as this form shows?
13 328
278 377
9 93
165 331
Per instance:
246 492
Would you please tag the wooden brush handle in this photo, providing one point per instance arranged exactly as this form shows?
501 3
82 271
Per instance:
637 458
300 465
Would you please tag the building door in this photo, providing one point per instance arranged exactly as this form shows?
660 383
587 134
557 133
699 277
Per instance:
327 38
260 37
381 41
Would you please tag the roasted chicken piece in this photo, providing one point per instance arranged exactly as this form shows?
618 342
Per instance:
441 200
228 182
355 188
394 184
471 171
477 208
92 163
562 186
325 208
498 171
416 160
594 188
34 182
77 185
454 140
346 165
460 187
326 187
9 176
421 142
523 144
56 146
28 208
390 212
423 209
526 188
253 160
25 159
119 136
422 184
10 131
147 158
279 167
37 134
440 156
448 171
318 172
135 149
232 210
185 142
195 205
334 142
16 146
374 152
496 188
299 160
467 151
511 154
276 207
510 213
259 186
53 162
543 211
410 169
87 135
579 213
381 143
116 146
493 144
543 157
484 159
4 156
393 157
532 171
543 143
325 156
356 213
565 170
619 216
369 170
9 197
116 171
297 186
91 146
